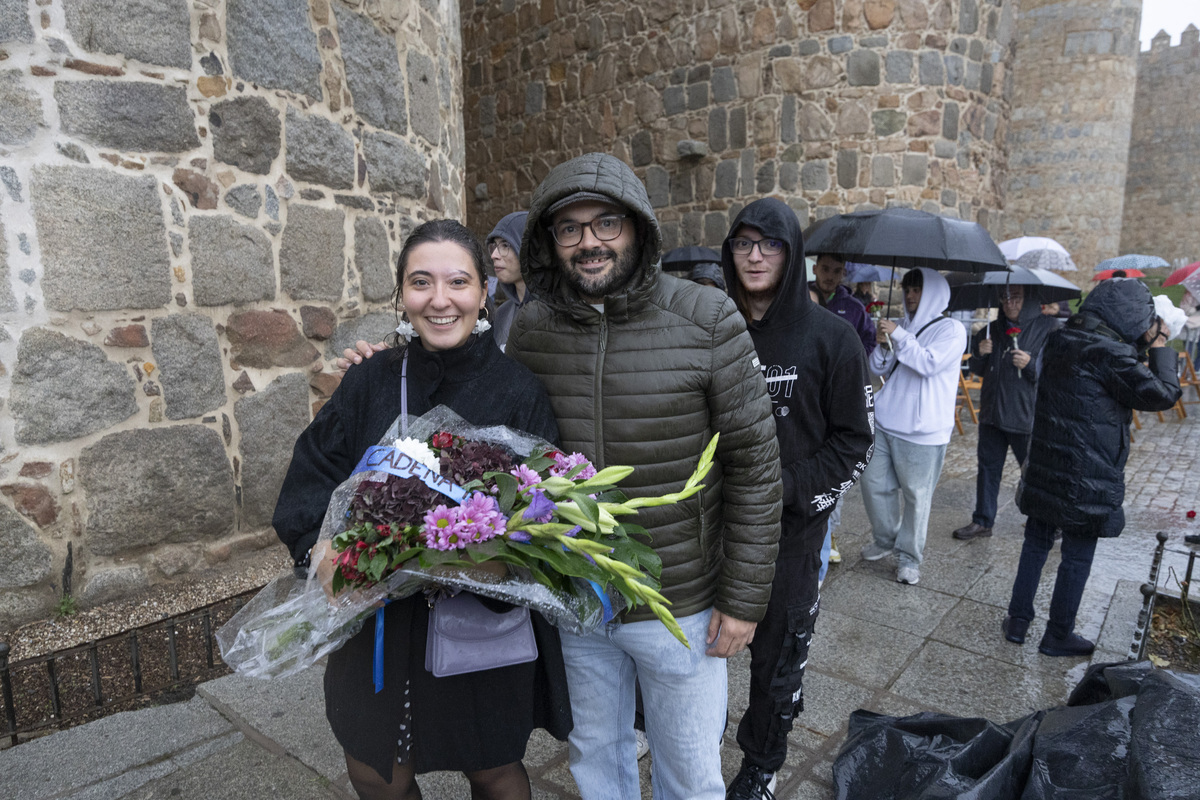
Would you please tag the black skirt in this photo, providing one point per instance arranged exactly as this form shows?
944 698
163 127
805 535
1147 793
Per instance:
474 721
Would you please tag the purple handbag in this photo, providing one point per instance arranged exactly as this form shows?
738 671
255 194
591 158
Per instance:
467 636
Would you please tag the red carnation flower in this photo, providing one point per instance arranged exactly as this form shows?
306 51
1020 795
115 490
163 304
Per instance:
1191 515
1013 331
442 439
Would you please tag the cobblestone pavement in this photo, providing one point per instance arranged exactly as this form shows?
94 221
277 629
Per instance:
879 645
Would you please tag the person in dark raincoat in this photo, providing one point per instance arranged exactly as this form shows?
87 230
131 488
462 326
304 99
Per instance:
1095 370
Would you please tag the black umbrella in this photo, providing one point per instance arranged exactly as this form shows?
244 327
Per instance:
907 238
684 258
979 291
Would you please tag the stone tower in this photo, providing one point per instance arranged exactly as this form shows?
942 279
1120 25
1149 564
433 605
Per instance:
829 105
199 203
1075 74
1162 191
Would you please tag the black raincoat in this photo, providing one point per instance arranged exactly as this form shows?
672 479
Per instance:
1092 376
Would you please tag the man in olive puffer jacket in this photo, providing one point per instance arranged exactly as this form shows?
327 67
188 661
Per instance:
642 369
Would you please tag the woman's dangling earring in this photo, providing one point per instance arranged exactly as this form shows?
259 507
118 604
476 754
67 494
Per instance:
482 324
405 329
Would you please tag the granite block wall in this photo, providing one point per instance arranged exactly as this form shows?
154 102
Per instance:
201 201
1072 110
832 106
1162 191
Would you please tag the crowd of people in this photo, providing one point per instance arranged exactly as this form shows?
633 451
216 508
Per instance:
606 355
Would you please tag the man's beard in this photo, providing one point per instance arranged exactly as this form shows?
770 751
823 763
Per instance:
625 264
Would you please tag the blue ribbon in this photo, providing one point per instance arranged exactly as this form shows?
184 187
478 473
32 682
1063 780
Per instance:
382 458
377 670
604 601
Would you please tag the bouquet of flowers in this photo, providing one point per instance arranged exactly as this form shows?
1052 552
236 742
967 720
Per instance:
491 511
1014 332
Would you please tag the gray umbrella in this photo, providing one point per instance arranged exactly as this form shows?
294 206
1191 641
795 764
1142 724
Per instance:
979 291
1046 258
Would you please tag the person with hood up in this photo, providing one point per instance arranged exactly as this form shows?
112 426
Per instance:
1009 364
1074 480
504 246
919 360
816 373
642 369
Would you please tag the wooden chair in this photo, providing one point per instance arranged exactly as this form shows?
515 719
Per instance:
965 385
1188 379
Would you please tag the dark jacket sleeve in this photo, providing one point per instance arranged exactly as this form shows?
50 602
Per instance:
321 459
978 363
866 332
1145 388
748 450
812 485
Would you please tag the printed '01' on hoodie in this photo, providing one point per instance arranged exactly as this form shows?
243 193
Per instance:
816 375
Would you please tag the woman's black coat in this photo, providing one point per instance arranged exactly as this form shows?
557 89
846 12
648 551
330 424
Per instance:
1091 378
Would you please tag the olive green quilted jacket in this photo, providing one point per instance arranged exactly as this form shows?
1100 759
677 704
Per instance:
646 384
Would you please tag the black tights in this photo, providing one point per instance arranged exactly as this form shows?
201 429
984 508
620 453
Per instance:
508 782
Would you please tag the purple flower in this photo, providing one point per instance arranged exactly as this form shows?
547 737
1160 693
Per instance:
480 518
573 531
518 536
441 528
527 477
541 508
564 464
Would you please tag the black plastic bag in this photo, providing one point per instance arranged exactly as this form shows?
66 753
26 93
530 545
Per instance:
1128 731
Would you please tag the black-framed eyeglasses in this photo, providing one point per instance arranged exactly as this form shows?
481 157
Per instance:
767 247
605 228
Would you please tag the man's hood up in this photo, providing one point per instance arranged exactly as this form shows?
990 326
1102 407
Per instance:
510 228
1123 304
774 219
935 296
597 173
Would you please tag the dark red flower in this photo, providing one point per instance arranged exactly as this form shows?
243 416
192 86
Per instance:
1191 515
442 439
1013 331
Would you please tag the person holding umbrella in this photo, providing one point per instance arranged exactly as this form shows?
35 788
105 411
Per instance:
1006 355
914 415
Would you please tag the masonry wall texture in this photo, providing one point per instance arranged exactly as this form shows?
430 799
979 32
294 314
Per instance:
831 106
1072 111
1162 193
196 196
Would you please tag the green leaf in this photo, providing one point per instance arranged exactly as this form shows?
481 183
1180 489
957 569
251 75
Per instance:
376 568
588 506
613 495
508 486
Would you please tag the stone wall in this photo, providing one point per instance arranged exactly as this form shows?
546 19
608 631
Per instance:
200 205
830 105
1075 74
1162 190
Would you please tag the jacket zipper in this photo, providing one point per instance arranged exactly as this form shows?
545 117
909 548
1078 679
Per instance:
598 394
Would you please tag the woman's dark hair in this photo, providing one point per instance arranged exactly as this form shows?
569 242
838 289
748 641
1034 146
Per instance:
438 230
914 279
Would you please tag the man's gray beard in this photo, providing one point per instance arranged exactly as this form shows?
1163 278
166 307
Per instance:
626 264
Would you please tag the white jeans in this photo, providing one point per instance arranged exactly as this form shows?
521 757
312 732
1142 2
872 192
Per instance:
684 695
901 468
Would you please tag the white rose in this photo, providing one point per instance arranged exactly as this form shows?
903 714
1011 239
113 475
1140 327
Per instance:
420 452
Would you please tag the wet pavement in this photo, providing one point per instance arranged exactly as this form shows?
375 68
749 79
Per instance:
879 645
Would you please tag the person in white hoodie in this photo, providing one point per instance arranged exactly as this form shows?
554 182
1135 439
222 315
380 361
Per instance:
919 360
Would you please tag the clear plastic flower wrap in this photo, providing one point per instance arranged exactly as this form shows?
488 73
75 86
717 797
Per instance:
457 507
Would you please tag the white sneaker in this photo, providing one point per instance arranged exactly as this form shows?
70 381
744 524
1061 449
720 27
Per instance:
908 575
643 743
834 556
874 552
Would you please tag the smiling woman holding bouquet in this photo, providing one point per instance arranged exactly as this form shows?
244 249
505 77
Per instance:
477 722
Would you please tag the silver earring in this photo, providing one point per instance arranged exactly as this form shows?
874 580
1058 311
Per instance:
405 329
481 323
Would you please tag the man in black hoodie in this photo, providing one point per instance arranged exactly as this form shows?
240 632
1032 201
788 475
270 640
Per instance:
816 374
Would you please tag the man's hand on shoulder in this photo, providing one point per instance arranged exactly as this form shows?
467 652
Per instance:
727 635
362 350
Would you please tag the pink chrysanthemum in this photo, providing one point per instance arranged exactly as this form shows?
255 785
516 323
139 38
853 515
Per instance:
527 477
564 464
439 524
480 518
